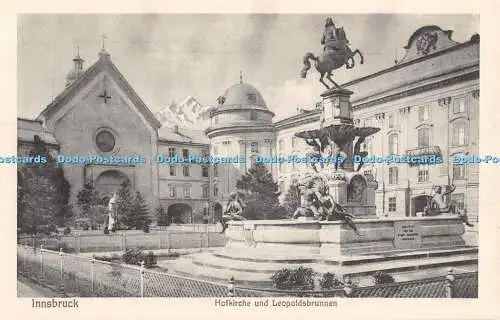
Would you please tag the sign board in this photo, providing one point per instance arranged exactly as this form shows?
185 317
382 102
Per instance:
407 235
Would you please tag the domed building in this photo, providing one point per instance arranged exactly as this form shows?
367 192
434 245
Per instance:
240 125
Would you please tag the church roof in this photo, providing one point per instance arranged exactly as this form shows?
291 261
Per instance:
104 63
28 129
182 135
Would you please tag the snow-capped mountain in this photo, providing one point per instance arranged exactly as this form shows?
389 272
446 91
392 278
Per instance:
189 114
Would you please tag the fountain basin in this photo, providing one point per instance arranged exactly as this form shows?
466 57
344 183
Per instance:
335 238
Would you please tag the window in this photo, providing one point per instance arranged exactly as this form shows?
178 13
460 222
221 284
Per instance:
204 171
226 143
253 115
204 153
216 170
459 134
423 113
216 151
393 144
185 171
392 204
105 141
185 153
205 191
187 191
171 152
294 142
172 171
459 105
423 173
281 144
173 192
393 175
390 120
458 200
216 119
459 171
423 137
254 147
216 191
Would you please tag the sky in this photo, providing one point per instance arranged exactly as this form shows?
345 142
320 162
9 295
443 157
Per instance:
167 57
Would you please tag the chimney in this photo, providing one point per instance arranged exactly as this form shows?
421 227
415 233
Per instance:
176 128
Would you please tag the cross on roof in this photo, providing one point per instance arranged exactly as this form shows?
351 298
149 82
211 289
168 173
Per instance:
105 96
103 37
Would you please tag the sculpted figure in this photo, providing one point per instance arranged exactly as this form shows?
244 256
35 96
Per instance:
358 152
332 211
234 208
307 207
113 202
336 53
316 153
337 152
438 204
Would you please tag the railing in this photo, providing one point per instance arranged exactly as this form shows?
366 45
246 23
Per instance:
73 275
120 241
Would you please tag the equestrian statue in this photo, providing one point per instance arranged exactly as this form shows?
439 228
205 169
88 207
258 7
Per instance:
336 53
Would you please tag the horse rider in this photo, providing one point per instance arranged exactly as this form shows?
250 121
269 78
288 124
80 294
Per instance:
329 38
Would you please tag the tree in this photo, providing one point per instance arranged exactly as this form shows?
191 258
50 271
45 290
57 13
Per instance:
140 218
292 199
125 205
55 173
89 201
162 217
261 194
38 204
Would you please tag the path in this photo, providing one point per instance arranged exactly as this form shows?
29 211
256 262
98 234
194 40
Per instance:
28 289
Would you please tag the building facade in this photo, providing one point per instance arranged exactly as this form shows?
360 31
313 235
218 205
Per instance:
425 104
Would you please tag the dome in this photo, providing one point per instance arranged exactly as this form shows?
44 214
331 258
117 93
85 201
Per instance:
242 95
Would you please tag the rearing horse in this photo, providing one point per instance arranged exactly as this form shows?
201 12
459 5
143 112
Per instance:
333 57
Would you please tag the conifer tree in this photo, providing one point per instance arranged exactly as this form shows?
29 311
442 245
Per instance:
141 218
125 206
261 194
161 216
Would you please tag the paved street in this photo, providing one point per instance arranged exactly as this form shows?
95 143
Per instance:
28 289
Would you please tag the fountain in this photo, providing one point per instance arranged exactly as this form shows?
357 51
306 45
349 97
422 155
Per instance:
350 239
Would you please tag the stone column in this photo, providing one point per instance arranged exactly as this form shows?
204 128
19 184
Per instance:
243 154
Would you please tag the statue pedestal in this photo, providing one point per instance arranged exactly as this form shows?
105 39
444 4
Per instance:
256 249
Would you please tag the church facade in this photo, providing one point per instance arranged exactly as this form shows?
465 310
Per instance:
426 104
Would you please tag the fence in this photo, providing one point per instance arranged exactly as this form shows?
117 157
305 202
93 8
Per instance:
73 275
159 240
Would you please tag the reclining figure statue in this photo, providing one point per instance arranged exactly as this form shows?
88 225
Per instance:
438 205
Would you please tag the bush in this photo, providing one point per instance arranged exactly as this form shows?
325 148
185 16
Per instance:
63 246
67 230
103 258
329 282
85 226
106 230
289 279
145 228
381 277
150 260
136 256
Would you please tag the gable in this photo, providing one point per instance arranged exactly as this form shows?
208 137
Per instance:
102 69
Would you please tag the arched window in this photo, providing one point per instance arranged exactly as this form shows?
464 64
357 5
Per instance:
460 134
393 143
424 137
